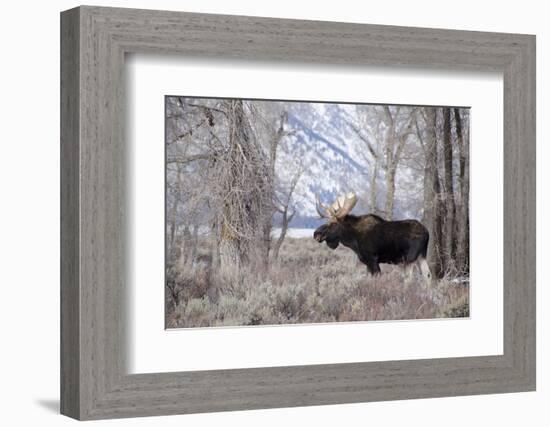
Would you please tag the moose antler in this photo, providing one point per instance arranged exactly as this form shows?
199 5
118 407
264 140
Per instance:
339 208
324 211
344 204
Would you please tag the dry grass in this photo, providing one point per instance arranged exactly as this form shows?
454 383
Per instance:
309 284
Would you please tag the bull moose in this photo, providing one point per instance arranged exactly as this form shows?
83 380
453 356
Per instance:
372 238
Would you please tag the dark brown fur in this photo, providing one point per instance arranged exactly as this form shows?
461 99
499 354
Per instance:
376 240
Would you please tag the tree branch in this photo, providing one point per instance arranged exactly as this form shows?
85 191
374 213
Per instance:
364 139
188 159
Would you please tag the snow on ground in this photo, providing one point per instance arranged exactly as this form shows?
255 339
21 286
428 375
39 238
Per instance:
297 233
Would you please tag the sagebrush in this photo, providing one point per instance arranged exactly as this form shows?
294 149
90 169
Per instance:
309 283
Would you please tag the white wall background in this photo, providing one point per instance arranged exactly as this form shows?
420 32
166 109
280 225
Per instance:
29 214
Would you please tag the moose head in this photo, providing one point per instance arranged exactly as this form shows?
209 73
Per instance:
335 230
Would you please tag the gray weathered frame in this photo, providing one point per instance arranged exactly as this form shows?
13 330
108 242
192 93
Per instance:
94 41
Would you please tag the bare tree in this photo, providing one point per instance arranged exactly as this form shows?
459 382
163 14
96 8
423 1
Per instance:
446 189
172 220
432 189
287 215
368 133
275 137
449 195
384 130
225 189
463 211
244 188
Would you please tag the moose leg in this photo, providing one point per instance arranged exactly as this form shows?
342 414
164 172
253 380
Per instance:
425 269
373 267
409 272
371 262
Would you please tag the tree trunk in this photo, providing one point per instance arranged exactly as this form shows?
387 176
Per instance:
268 224
373 207
174 217
232 233
245 193
390 191
284 210
432 208
215 243
284 228
463 223
395 143
449 223
184 249
194 243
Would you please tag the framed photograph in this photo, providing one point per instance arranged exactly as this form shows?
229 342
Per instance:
261 213
245 226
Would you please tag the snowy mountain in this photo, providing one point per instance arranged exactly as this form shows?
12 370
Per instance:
335 160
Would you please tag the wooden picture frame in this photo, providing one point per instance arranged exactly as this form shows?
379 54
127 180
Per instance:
94 41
